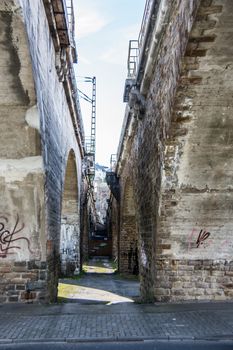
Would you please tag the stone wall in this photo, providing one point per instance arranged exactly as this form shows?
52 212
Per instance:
114 230
38 130
88 218
128 239
177 139
196 210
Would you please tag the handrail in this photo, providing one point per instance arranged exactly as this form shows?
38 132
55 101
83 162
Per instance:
76 101
71 20
146 15
135 52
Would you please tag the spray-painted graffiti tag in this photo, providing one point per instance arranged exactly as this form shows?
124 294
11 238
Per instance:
202 240
203 235
195 241
8 237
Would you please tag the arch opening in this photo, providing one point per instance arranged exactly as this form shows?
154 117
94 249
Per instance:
70 226
128 240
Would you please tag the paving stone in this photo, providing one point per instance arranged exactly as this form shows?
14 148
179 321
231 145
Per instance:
111 324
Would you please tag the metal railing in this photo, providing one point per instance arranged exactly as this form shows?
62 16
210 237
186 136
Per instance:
113 162
136 46
71 21
146 15
76 100
133 55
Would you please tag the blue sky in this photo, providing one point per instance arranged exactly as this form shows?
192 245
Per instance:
103 31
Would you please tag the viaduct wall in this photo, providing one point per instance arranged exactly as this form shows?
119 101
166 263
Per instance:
175 151
40 158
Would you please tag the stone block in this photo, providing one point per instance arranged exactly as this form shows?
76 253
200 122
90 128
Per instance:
12 292
5 269
42 275
20 286
28 295
20 264
10 287
35 285
19 268
13 299
18 280
3 299
33 265
178 292
30 275
162 291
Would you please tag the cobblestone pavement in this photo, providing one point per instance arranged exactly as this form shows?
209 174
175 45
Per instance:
102 311
125 321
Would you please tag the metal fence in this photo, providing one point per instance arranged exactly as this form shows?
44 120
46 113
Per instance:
136 46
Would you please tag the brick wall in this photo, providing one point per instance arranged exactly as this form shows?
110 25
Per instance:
23 281
128 232
196 197
178 155
38 130
114 228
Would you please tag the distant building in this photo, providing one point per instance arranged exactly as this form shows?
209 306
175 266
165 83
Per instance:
102 192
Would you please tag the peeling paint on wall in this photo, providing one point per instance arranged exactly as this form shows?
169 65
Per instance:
32 117
17 169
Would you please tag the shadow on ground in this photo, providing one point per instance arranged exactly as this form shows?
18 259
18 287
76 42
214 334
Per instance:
99 285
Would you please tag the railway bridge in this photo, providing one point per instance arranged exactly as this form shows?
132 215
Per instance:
171 204
45 174
171 207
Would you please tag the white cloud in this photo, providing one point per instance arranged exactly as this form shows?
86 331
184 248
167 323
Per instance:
130 32
113 56
83 60
89 20
117 54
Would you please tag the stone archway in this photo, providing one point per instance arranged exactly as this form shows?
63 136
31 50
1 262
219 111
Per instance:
128 240
70 226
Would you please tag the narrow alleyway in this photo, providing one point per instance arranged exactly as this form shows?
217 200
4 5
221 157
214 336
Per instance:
99 283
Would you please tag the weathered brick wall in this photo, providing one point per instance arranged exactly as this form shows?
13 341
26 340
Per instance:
39 135
180 153
88 220
70 228
151 133
128 238
114 228
85 223
194 249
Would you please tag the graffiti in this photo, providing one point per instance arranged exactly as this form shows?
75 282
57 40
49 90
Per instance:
203 235
199 240
8 238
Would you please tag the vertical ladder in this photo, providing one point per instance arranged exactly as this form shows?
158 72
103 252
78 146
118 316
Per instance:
93 117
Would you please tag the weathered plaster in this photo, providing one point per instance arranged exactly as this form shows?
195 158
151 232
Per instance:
32 118
18 169
38 134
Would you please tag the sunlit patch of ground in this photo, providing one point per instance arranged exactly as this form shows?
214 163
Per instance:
96 266
98 283
81 293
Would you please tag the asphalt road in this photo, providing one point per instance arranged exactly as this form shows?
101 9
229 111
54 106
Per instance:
142 345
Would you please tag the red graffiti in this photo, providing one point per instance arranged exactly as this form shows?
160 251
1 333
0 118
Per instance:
8 237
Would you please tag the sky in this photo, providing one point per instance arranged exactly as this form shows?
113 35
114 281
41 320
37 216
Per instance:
103 31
